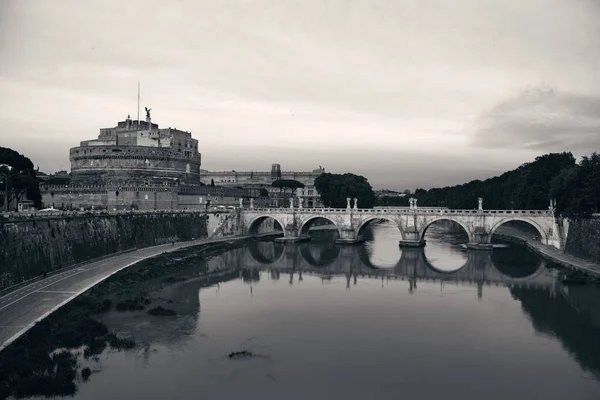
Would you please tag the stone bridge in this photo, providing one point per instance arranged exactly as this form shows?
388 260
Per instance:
412 222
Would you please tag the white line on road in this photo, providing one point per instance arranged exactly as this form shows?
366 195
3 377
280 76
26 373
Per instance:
55 291
50 284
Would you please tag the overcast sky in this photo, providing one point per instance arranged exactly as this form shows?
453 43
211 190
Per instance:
413 93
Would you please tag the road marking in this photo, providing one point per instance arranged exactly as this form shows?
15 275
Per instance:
50 284
56 291
148 253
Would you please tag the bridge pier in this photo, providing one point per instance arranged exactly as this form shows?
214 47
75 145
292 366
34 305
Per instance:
349 236
480 241
292 239
411 239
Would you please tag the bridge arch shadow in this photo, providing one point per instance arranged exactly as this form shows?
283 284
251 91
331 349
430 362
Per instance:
306 224
534 224
256 223
327 254
445 218
369 221
516 262
266 253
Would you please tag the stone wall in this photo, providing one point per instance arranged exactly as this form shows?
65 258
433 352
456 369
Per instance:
583 239
31 246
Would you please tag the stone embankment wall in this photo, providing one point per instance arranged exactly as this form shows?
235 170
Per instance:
30 246
583 239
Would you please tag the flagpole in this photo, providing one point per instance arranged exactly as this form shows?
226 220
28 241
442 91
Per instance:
138 117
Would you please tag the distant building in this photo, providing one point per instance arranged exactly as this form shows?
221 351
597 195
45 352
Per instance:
264 179
388 193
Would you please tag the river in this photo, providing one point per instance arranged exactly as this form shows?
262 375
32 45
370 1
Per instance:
371 321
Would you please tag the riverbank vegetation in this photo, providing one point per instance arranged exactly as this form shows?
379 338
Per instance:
575 186
46 361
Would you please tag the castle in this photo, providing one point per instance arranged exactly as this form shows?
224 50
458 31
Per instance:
136 153
137 165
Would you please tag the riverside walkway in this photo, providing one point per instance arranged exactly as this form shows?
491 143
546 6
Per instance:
551 253
23 307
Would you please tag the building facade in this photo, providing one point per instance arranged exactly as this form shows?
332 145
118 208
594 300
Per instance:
264 179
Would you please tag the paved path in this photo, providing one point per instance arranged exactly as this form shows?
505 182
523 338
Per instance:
22 308
552 253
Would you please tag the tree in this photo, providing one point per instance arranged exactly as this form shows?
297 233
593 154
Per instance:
407 192
284 184
527 187
577 189
212 183
335 188
263 192
18 176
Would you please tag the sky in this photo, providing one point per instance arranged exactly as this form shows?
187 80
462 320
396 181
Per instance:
412 93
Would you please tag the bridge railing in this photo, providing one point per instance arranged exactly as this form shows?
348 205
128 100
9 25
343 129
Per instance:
423 210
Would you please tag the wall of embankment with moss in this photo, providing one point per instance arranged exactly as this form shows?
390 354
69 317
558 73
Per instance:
28 247
583 239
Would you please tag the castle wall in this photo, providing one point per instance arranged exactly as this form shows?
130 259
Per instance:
114 165
142 197
32 246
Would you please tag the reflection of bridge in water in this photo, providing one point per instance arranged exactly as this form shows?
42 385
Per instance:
480 268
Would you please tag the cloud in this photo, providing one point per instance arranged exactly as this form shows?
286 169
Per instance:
543 119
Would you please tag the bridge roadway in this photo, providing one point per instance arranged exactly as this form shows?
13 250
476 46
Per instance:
412 222
22 308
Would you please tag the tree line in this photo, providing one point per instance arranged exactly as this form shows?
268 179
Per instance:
574 186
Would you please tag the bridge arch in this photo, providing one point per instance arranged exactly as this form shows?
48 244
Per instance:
543 234
368 220
253 225
445 218
305 224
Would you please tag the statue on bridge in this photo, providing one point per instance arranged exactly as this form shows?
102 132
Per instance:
148 112
480 206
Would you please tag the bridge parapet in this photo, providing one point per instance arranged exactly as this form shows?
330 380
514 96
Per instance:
397 211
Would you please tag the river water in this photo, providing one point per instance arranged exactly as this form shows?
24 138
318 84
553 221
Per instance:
371 321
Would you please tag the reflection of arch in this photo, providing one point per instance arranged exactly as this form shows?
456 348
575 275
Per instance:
305 225
255 223
365 258
516 263
259 256
543 235
327 255
432 267
467 231
378 218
